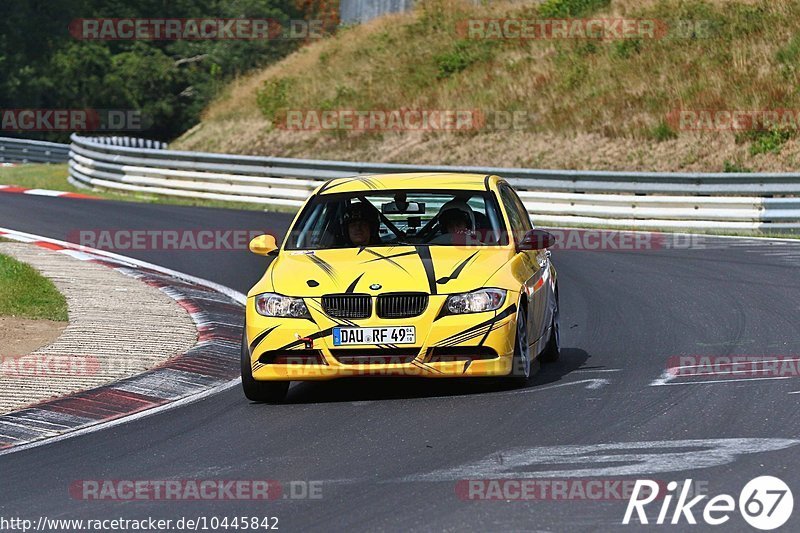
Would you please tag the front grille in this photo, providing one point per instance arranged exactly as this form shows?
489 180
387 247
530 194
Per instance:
446 354
375 356
347 305
401 304
292 357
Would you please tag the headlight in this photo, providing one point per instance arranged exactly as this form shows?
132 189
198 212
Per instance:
270 304
475 301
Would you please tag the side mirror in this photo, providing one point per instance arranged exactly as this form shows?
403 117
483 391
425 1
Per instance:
264 245
536 239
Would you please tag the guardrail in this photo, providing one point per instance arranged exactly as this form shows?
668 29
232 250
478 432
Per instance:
13 150
646 200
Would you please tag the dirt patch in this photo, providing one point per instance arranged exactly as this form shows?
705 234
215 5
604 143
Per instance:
21 336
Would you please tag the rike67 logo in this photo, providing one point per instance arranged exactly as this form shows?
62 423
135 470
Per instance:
765 503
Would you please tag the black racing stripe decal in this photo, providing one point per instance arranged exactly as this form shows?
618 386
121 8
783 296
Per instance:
316 305
463 337
457 271
381 257
330 184
313 336
486 335
260 337
326 185
401 254
424 366
427 263
324 265
352 287
443 312
369 182
474 335
510 310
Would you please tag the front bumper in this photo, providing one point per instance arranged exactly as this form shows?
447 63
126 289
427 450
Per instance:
472 345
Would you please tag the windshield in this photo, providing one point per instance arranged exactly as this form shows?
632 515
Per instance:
393 218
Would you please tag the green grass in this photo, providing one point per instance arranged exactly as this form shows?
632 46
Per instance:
620 88
25 293
54 177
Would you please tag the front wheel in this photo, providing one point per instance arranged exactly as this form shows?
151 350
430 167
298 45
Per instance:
521 363
552 351
259 391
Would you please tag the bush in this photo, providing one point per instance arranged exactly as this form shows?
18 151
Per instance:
735 166
769 141
272 98
663 132
463 54
570 8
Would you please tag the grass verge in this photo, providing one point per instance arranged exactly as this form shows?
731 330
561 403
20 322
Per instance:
25 293
582 103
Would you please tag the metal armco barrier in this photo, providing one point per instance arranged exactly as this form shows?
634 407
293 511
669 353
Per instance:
646 200
13 150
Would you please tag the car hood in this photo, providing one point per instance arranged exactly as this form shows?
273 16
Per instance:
430 269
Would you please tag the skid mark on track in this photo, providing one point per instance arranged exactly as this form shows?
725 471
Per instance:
590 384
606 459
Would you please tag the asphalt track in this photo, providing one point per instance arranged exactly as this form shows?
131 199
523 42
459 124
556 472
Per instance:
390 452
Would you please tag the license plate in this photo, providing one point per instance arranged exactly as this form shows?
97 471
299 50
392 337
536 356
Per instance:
394 335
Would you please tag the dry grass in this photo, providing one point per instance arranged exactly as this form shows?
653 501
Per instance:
598 104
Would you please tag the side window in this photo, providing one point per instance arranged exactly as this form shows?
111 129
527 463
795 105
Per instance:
517 214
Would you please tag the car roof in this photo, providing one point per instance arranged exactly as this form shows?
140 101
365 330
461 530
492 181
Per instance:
413 180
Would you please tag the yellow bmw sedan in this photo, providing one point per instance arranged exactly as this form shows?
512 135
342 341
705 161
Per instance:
436 275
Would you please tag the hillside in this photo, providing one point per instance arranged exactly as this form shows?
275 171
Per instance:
580 103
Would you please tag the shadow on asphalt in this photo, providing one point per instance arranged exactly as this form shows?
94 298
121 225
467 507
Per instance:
400 388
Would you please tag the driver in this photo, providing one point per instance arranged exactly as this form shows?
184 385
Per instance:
456 220
456 216
361 225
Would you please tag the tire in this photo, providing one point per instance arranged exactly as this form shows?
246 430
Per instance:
521 363
259 391
552 351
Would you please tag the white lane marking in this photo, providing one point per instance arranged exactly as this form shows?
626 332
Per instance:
80 256
795 392
597 370
593 384
600 460
666 377
44 192
737 363
235 295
